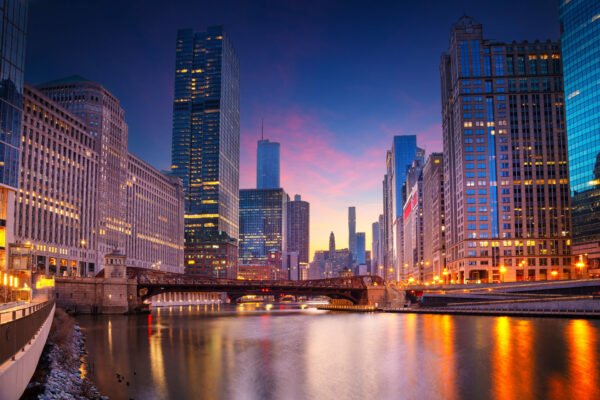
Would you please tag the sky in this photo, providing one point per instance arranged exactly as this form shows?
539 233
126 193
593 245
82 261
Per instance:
333 80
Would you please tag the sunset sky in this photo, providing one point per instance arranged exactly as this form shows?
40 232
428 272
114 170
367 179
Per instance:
333 80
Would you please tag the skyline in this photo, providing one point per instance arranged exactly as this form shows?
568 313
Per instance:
323 156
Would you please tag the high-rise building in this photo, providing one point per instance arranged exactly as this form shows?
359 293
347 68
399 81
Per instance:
580 39
352 231
360 249
298 227
57 216
375 245
263 223
433 218
398 161
412 219
155 218
206 136
505 159
12 62
105 121
267 165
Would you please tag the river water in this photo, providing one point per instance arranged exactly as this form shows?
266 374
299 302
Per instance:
246 352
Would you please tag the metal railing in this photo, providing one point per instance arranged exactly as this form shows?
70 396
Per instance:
18 327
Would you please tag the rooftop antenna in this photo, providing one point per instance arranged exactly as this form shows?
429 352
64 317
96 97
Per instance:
262 130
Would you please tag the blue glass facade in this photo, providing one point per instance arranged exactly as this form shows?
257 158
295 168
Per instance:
404 150
580 38
206 132
13 17
267 165
262 224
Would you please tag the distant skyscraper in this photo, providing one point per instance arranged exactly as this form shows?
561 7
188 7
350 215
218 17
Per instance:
267 165
206 132
505 158
580 38
375 243
262 224
331 243
433 218
352 231
360 248
298 228
12 57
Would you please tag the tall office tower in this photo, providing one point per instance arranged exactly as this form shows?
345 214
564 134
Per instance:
267 165
55 214
398 160
352 231
206 137
580 41
433 218
262 224
505 159
105 122
12 62
389 271
360 248
298 227
375 243
412 218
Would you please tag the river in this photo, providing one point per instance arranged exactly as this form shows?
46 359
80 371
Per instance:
247 352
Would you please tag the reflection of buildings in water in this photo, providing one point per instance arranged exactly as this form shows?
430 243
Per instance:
583 364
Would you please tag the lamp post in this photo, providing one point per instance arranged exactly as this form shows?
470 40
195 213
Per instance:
502 271
83 271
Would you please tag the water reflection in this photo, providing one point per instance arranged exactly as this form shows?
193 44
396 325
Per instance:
252 353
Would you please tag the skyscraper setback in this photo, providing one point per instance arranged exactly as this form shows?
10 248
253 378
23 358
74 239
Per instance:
267 165
580 37
505 158
206 135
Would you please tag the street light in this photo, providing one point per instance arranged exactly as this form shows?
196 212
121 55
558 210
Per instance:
502 271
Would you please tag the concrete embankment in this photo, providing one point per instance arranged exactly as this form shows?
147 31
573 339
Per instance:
61 371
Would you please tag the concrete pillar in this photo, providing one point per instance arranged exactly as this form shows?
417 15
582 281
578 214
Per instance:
46 266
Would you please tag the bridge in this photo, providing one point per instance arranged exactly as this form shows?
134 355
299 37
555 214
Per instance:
356 289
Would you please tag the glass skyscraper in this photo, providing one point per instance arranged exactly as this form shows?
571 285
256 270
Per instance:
13 16
262 224
404 150
360 248
267 165
580 38
206 131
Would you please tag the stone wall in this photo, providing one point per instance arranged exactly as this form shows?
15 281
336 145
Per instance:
97 295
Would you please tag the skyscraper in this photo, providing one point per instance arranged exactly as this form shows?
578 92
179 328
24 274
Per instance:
267 165
433 218
580 38
375 244
360 248
352 231
505 158
104 118
12 62
298 228
398 161
262 224
206 135
412 220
